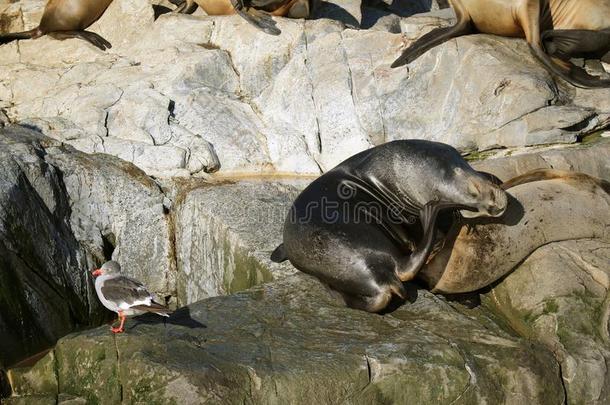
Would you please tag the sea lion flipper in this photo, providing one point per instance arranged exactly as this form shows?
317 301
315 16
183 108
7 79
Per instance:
259 19
429 41
185 7
279 254
6 38
463 26
419 256
91 37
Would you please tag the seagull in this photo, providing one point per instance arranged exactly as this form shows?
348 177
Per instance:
124 295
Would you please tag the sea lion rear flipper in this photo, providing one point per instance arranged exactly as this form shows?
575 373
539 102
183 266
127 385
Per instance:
185 6
259 19
6 38
567 44
279 254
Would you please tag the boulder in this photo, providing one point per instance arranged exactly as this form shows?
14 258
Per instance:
225 235
76 218
559 297
287 342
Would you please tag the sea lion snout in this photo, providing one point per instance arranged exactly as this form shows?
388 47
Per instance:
490 201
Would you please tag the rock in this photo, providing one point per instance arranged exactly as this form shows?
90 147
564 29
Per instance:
225 235
43 283
559 296
286 342
591 159
237 99
538 213
81 210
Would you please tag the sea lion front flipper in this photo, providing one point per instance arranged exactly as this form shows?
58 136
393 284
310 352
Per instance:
259 19
420 255
436 37
91 37
529 18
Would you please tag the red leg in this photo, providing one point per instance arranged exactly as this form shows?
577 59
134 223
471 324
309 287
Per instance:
120 328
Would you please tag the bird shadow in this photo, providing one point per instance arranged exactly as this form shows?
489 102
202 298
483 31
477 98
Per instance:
180 317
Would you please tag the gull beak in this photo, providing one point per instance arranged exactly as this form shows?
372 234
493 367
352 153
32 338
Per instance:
97 272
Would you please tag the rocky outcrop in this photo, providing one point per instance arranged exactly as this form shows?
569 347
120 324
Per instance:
63 212
226 233
287 342
559 297
236 98
289 339
194 129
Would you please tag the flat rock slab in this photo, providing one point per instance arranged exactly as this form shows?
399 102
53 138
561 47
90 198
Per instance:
287 342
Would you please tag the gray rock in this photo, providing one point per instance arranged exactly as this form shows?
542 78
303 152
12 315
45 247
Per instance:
63 212
287 342
559 296
225 235
592 159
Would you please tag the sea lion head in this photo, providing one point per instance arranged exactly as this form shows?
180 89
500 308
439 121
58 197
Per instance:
477 192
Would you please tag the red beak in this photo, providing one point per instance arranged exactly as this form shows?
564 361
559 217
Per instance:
97 272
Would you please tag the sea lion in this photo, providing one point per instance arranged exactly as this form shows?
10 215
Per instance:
369 224
556 30
544 206
63 19
256 12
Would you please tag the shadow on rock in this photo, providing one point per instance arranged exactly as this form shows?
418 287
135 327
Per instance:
180 317
159 10
335 12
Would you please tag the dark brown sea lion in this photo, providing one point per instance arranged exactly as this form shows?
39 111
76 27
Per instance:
256 12
556 30
544 206
370 224
63 19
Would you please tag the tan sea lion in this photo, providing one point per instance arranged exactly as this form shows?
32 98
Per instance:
556 30
63 19
256 12
544 206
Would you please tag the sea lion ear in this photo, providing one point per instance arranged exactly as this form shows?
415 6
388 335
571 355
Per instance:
458 171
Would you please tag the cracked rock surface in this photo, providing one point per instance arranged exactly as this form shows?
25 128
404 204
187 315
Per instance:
189 95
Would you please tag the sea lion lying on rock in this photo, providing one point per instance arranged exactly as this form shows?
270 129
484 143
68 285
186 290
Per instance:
544 206
63 19
556 30
371 223
256 12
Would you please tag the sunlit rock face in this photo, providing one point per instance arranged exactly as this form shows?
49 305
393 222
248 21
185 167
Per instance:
189 95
